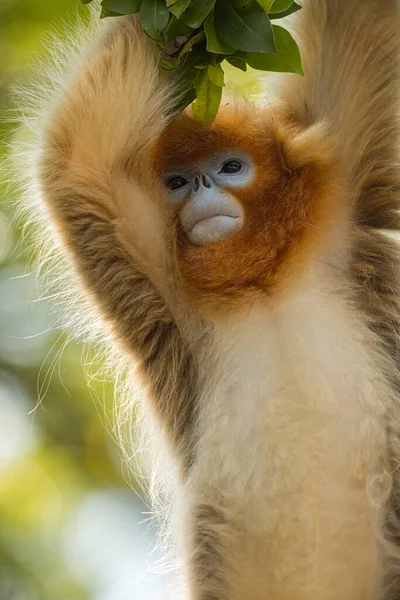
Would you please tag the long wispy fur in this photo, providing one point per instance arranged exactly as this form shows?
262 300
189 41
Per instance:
281 413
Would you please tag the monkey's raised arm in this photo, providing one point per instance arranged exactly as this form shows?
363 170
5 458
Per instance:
95 181
350 52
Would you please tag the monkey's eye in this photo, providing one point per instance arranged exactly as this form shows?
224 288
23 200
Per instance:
231 167
176 182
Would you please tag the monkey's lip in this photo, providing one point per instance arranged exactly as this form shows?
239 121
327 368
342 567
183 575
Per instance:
210 218
213 228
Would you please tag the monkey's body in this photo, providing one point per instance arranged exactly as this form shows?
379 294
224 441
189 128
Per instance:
268 344
293 448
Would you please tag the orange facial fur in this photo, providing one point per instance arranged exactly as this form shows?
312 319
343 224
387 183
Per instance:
287 207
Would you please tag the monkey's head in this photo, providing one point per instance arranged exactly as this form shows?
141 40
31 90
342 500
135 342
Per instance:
249 195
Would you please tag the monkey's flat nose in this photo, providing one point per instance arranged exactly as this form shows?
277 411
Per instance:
201 181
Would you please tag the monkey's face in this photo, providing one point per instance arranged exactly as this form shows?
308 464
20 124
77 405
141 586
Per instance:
209 210
215 178
248 196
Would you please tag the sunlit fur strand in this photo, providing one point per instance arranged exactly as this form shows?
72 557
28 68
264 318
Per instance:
33 101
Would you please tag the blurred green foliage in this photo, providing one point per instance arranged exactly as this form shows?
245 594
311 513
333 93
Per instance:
56 453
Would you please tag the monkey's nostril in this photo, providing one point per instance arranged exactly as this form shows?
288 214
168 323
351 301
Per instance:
206 181
196 183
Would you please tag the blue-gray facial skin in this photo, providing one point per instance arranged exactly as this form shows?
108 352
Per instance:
210 212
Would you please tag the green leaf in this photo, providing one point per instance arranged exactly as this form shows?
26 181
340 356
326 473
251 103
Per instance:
192 41
171 2
286 13
287 60
208 99
248 29
197 12
154 17
184 100
239 3
177 28
122 7
216 74
185 79
280 5
179 8
239 63
214 45
108 13
266 4
86 1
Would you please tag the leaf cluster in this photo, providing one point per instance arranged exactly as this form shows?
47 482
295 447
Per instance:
195 37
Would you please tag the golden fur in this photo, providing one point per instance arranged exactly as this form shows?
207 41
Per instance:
281 413
295 194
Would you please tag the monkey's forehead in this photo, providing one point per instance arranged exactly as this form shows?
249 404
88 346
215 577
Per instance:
186 143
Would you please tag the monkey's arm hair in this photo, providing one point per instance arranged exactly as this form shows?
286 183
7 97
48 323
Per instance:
350 53
95 181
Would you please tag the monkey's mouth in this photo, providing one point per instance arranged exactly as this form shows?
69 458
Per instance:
214 228
217 220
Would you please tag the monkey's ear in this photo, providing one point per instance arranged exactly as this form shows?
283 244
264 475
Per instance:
301 146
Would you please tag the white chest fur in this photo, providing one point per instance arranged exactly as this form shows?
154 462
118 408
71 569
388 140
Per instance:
293 445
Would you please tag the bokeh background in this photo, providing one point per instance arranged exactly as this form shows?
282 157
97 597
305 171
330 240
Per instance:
71 528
